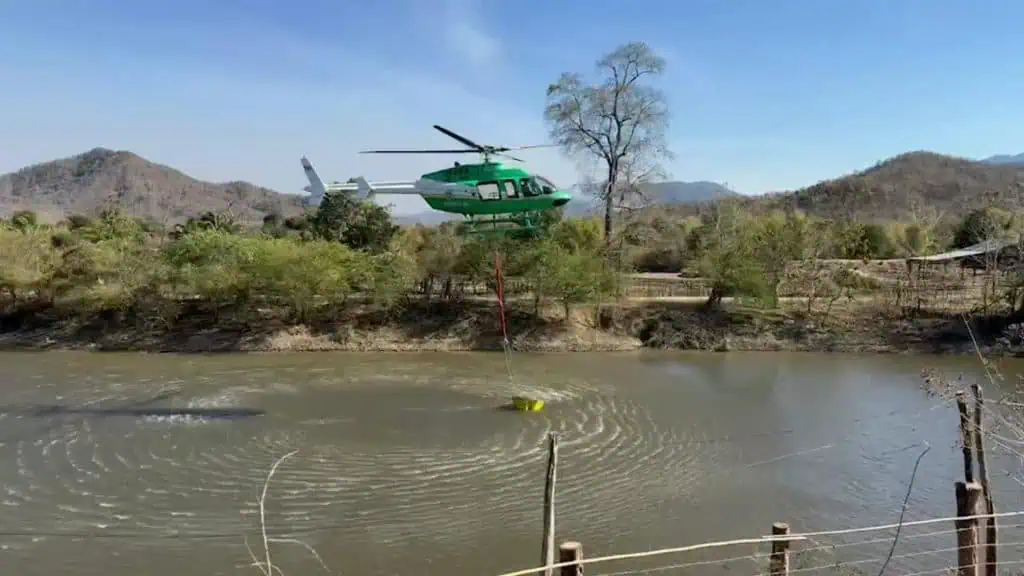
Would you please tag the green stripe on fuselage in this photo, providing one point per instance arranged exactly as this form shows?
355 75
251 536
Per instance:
476 206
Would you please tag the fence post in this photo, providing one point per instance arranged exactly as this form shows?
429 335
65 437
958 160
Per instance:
779 561
991 530
966 436
570 552
548 544
967 497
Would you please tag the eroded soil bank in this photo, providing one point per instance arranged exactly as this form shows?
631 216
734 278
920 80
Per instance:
464 326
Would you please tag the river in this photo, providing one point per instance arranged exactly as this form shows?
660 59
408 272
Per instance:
407 466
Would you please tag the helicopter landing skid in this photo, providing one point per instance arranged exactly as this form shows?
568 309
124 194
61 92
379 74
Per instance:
518 225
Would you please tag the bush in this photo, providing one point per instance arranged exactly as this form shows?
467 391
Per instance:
27 262
981 225
570 277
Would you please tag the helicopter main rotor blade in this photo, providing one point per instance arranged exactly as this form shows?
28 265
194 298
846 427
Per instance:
532 146
460 151
462 139
510 156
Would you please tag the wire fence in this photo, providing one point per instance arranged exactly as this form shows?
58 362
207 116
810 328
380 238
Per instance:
910 548
973 545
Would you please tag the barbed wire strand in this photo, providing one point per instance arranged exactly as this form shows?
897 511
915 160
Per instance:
767 538
660 552
750 557
888 539
899 556
880 527
756 557
948 568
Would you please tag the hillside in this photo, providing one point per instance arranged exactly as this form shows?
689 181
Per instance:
907 183
86 183
1005 159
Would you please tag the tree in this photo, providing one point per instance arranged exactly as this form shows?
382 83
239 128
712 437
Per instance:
24 220
220 221
728 260
618 121
980 225
778 239
361 226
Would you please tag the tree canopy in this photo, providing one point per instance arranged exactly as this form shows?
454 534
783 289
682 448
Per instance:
619 120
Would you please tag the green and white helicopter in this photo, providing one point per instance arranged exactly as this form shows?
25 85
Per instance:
491 196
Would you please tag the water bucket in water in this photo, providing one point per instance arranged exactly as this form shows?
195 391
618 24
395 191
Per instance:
523 404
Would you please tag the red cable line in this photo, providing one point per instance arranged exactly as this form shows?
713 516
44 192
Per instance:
501 295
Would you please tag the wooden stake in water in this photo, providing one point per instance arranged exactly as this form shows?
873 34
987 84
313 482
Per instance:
548 545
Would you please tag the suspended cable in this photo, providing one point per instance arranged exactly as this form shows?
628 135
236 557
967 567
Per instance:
505 346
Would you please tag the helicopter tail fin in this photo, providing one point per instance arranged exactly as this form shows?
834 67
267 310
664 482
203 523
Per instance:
363 188
316 185
317 190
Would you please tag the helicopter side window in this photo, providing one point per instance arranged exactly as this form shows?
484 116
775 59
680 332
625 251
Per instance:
488 191
510 189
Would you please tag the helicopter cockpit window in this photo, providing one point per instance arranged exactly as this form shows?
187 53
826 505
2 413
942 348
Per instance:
488 191
529 187
546 186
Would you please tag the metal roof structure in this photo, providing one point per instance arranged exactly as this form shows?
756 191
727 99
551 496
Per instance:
971 251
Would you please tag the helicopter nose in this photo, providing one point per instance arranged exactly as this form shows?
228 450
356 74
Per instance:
561 202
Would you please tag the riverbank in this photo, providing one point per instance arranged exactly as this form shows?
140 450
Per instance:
474 325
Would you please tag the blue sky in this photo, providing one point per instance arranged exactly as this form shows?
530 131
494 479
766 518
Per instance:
765 95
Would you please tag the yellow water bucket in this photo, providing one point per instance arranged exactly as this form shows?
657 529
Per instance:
527 404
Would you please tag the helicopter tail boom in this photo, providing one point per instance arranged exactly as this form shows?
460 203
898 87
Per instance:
364 190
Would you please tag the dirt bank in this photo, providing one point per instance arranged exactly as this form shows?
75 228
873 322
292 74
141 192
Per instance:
464 326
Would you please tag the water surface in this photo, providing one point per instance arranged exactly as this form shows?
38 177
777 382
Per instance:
406 464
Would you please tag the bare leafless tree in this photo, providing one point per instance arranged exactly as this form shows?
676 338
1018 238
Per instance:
619 120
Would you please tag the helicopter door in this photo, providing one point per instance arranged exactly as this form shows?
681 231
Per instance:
510 189
488 191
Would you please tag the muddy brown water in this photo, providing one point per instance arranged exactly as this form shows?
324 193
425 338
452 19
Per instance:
407 466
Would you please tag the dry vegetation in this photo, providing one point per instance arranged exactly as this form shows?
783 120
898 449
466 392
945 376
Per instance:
344 277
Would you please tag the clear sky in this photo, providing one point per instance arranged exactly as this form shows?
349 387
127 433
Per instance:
765 95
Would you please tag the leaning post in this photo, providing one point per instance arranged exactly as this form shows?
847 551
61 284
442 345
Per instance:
570 552
779 562
968 496
548 544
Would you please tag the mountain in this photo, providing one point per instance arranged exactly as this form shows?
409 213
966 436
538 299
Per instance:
86 183
660 193
1005 159
910 182
686 192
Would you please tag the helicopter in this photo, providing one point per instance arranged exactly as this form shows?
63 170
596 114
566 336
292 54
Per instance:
488 194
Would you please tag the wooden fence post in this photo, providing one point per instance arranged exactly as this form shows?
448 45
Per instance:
966 437
779 562
991 530
548 545
570 552
967 497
